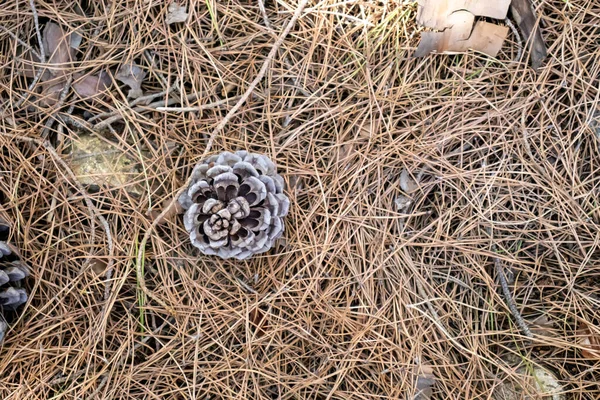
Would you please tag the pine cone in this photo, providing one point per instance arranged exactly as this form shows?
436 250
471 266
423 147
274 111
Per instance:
235 205
12 273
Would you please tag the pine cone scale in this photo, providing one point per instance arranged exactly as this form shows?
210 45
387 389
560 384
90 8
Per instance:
12 273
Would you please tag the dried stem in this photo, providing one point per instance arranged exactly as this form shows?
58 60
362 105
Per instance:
37 31
515 32
61 100
157 106
24 44
509 298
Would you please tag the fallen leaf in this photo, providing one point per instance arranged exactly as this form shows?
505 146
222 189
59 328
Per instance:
407 183
402 202
176 13
295 182
57 46
524 16
51 92
27 65
258 320
542 326
171 211
227 89
133 76
75 41
425 381
590 341
91 85
98 266
99 163
346 150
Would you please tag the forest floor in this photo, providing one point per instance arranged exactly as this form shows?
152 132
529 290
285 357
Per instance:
415 183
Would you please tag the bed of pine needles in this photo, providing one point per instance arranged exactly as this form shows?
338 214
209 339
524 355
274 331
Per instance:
409 179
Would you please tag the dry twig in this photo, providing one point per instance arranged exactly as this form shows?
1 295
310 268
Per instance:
214 133
94 212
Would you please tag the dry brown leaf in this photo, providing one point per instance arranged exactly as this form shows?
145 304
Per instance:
258 320
98 266
58 48
176 13
346 150
91 85
542 326
27 65
425 381
51 92
133 76
295 182
173 209
407 183
590 341
227 89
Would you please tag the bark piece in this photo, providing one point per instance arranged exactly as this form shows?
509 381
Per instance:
455 30
434 13
526 20
486 38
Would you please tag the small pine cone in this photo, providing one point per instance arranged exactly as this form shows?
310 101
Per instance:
12 273
235 205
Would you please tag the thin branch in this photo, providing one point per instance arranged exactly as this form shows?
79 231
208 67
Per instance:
507 294
22 43
140 275
198 108
437 320
30 88
286 59
515 32
261 74
134 102
37 31
38 75
149 57
509 298
156 105
61 100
